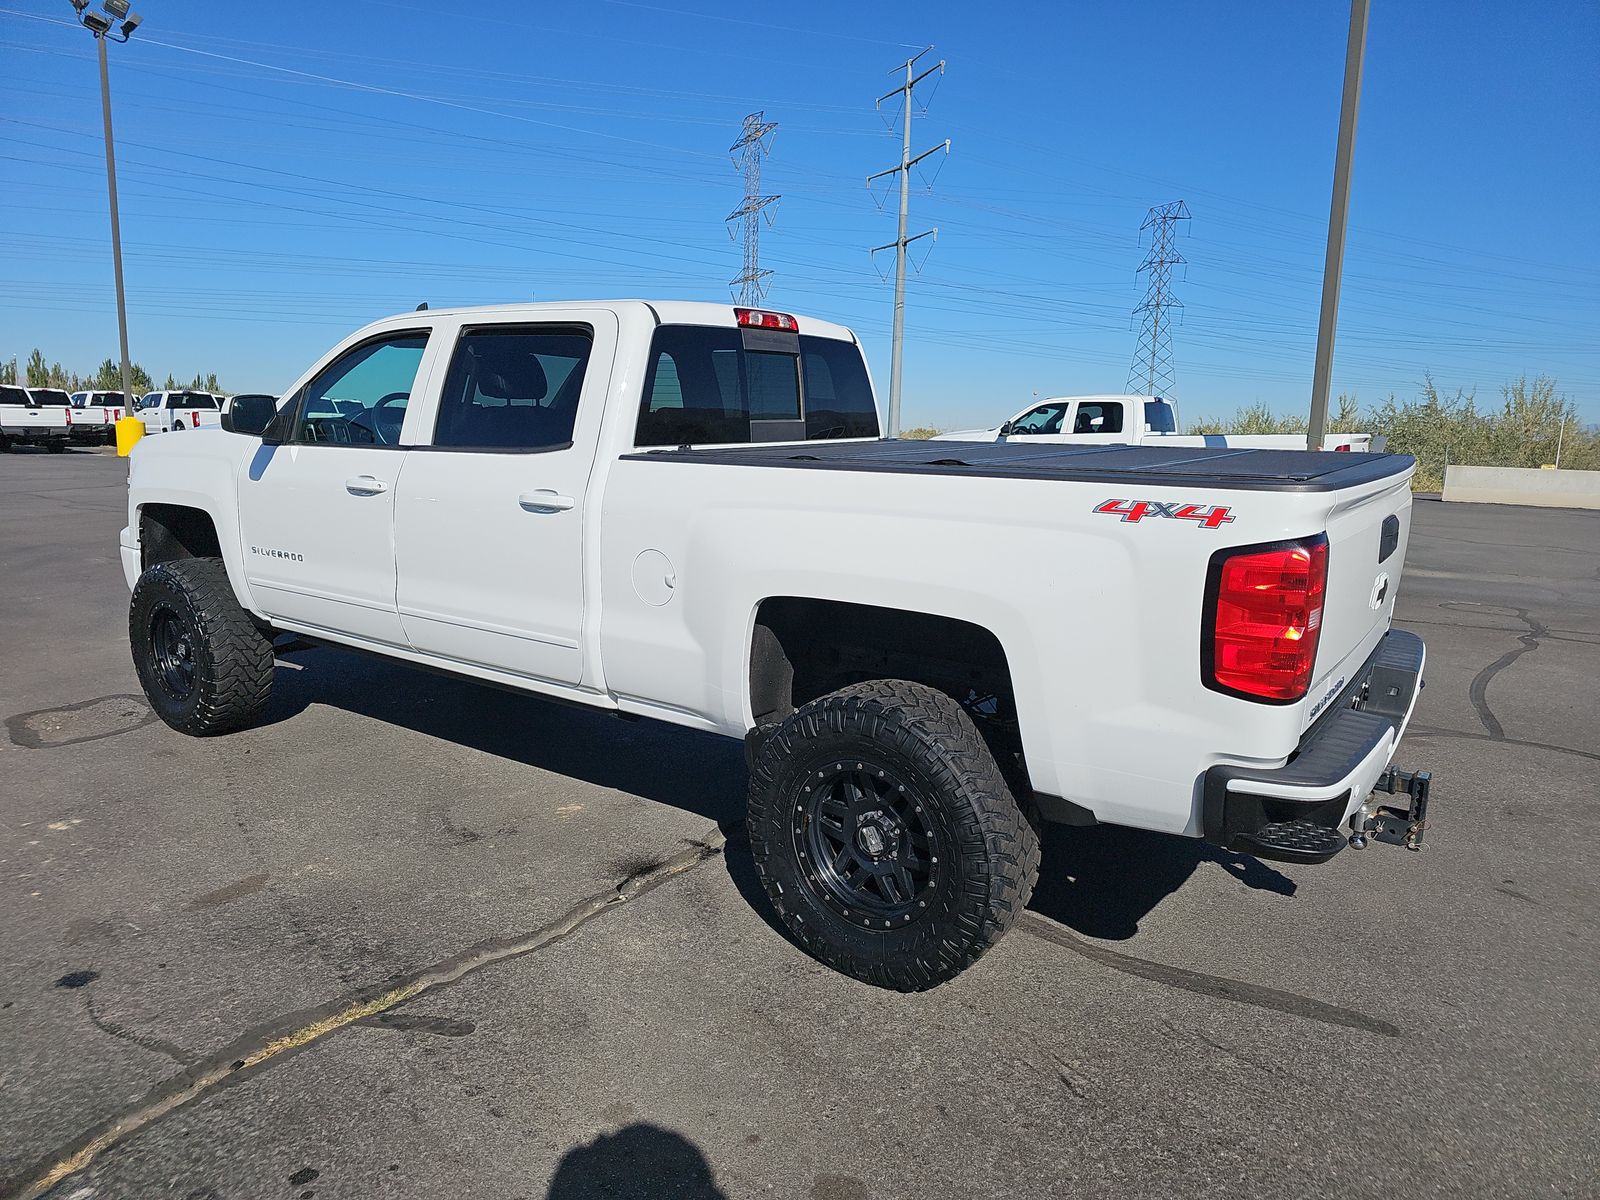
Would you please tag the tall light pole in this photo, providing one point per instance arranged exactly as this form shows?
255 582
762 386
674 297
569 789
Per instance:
101 25
1338 217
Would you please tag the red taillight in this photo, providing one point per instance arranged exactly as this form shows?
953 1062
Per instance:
1265 616
1346 446
760 318
69 416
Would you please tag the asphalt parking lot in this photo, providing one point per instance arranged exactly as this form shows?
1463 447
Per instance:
202 941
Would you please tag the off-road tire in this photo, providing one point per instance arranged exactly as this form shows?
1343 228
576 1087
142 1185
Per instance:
229 658
895 730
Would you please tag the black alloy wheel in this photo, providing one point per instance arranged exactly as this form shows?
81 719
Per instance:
871 849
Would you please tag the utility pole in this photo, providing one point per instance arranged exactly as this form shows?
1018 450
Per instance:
1152 373
900 243
748 152
100 24
1338 216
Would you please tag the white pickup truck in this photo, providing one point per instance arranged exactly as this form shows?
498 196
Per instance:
684 511
95 415
1135 421
25 421
166 412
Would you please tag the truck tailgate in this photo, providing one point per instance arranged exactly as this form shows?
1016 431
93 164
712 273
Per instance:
1367 536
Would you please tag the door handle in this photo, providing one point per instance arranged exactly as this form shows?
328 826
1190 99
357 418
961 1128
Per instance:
546 501
365 485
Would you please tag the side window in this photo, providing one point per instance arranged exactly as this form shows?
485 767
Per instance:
360 398
513 387
1044 419
1098 418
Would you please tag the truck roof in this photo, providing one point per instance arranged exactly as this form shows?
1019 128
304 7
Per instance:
1172 466
663 312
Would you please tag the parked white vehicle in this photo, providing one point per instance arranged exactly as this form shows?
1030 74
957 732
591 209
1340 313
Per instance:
164 412
95 415
1134 421
684 511
24 421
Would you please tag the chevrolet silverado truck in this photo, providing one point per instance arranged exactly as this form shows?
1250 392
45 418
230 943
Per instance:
25 421
685 512
1135 421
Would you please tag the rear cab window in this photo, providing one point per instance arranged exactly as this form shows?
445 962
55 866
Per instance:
728 386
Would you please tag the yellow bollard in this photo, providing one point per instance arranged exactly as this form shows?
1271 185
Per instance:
129 431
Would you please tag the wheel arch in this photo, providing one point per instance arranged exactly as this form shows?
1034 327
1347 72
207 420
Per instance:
173 524
801 648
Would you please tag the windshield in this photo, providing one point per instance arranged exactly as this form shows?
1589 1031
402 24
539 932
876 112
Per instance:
52 396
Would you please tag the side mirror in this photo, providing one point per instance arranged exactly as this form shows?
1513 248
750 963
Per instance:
250 415
1007 429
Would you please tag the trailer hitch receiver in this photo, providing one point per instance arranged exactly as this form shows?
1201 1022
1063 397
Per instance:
1389 823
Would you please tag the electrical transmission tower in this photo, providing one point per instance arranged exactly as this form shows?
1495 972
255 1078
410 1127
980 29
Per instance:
1152 373
902 241
750 286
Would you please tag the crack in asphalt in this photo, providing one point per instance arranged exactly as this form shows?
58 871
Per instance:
144 1041
258 1049
1478 692
1440 731
1215 986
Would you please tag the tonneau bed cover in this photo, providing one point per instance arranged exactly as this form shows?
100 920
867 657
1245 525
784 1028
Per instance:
1188 466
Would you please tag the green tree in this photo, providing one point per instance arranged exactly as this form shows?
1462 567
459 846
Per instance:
38 373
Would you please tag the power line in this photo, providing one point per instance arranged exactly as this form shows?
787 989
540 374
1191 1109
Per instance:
1152 372
750 285
904 91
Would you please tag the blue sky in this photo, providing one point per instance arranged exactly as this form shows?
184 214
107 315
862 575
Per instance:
291 173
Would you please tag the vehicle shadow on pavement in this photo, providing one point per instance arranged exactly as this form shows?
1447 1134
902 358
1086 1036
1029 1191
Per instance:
697 772
1101 880
637 1162
1098 881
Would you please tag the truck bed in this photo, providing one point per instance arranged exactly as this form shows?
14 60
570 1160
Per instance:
1180 466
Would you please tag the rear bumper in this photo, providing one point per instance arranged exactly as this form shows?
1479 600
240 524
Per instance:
31 436
1296 812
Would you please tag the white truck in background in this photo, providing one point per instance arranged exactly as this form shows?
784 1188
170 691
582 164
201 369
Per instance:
24 421
95 416
1135 421
686 512
167 412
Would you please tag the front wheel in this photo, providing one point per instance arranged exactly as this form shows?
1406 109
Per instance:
205 666
885 834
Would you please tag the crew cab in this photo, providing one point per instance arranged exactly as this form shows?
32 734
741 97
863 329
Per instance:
95 415
26 421
1135 421
685 512
165 412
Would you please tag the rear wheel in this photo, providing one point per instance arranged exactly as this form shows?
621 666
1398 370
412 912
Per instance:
56 446
205 666
886 836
